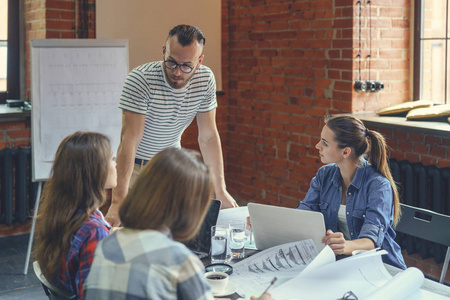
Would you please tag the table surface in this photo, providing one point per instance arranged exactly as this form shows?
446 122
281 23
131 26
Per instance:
428 285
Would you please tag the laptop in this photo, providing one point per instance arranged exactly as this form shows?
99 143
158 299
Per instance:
275 225
201 243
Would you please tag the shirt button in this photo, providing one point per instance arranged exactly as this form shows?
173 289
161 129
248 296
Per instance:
348 213
351 233
349 194
364 216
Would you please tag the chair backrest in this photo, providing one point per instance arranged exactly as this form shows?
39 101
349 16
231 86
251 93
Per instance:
50 290
427 225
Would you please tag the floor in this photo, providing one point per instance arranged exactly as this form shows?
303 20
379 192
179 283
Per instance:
14 285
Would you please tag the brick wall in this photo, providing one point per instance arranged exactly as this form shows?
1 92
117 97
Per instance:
416 147
15 133
289 64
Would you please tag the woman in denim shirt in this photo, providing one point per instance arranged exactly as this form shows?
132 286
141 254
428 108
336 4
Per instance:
362 190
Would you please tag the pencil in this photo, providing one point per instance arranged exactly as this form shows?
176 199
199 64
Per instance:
271 283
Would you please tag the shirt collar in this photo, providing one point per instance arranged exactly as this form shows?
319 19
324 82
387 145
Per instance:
357 180
98 214
360 174
337 179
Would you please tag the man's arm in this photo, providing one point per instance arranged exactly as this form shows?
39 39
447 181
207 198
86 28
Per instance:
209 142
130 137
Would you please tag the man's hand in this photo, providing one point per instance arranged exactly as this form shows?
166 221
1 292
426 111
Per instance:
113 216
227 200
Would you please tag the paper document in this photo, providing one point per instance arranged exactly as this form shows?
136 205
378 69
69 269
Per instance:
252 275
363 274
232 214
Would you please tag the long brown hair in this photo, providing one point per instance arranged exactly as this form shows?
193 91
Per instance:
349 131
75 189
173 190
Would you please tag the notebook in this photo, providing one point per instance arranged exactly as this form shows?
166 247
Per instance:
201 243
275 225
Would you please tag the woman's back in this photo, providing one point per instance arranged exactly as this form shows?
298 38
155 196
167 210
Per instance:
145 264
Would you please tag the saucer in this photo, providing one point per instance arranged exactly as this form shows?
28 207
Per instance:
230 289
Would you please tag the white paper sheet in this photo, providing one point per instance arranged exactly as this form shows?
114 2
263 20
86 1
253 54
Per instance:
363 274
232 214
253 275
81 88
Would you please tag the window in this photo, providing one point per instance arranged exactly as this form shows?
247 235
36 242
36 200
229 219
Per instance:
431 51
3 43
9 50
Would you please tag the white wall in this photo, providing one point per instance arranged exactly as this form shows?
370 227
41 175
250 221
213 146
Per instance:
146 24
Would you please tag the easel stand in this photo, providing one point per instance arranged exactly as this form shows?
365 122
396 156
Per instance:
33 224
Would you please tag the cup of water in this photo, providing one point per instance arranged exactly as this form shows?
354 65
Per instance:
237 238
219 239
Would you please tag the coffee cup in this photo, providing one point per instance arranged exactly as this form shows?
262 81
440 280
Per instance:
218 281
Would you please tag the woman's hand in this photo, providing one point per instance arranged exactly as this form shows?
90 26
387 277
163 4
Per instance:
339 245
266 296
336 241
249 223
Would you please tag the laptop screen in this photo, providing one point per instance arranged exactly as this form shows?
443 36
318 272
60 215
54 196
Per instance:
202 241
276 225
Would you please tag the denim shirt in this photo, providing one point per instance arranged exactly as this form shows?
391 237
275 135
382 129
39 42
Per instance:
369 207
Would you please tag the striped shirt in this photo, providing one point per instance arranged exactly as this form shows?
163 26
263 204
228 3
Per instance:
145 264
168 111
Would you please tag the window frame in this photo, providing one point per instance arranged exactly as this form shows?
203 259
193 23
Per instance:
418 28
13 53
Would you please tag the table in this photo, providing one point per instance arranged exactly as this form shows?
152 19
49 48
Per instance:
428 285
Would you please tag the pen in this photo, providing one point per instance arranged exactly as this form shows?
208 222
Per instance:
271 283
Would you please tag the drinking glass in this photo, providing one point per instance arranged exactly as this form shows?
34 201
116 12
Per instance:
237 238
219 239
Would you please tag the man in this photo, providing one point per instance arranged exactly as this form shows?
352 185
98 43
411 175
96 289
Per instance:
159 100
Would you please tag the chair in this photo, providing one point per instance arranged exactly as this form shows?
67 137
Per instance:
427 225
50 290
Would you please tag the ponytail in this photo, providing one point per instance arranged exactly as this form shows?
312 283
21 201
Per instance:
378 160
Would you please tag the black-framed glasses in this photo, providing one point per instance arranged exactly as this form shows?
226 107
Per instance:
170 64
348 296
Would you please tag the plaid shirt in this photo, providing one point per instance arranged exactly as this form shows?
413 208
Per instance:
145 264
77 263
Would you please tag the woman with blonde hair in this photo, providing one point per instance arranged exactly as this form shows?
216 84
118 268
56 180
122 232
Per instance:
358 197
145 259
69 224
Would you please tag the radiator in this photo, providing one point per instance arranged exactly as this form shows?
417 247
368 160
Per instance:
17 192
425 187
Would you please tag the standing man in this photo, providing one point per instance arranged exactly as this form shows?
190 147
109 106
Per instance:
159 100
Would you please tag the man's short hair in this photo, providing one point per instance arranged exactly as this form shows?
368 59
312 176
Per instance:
186 34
